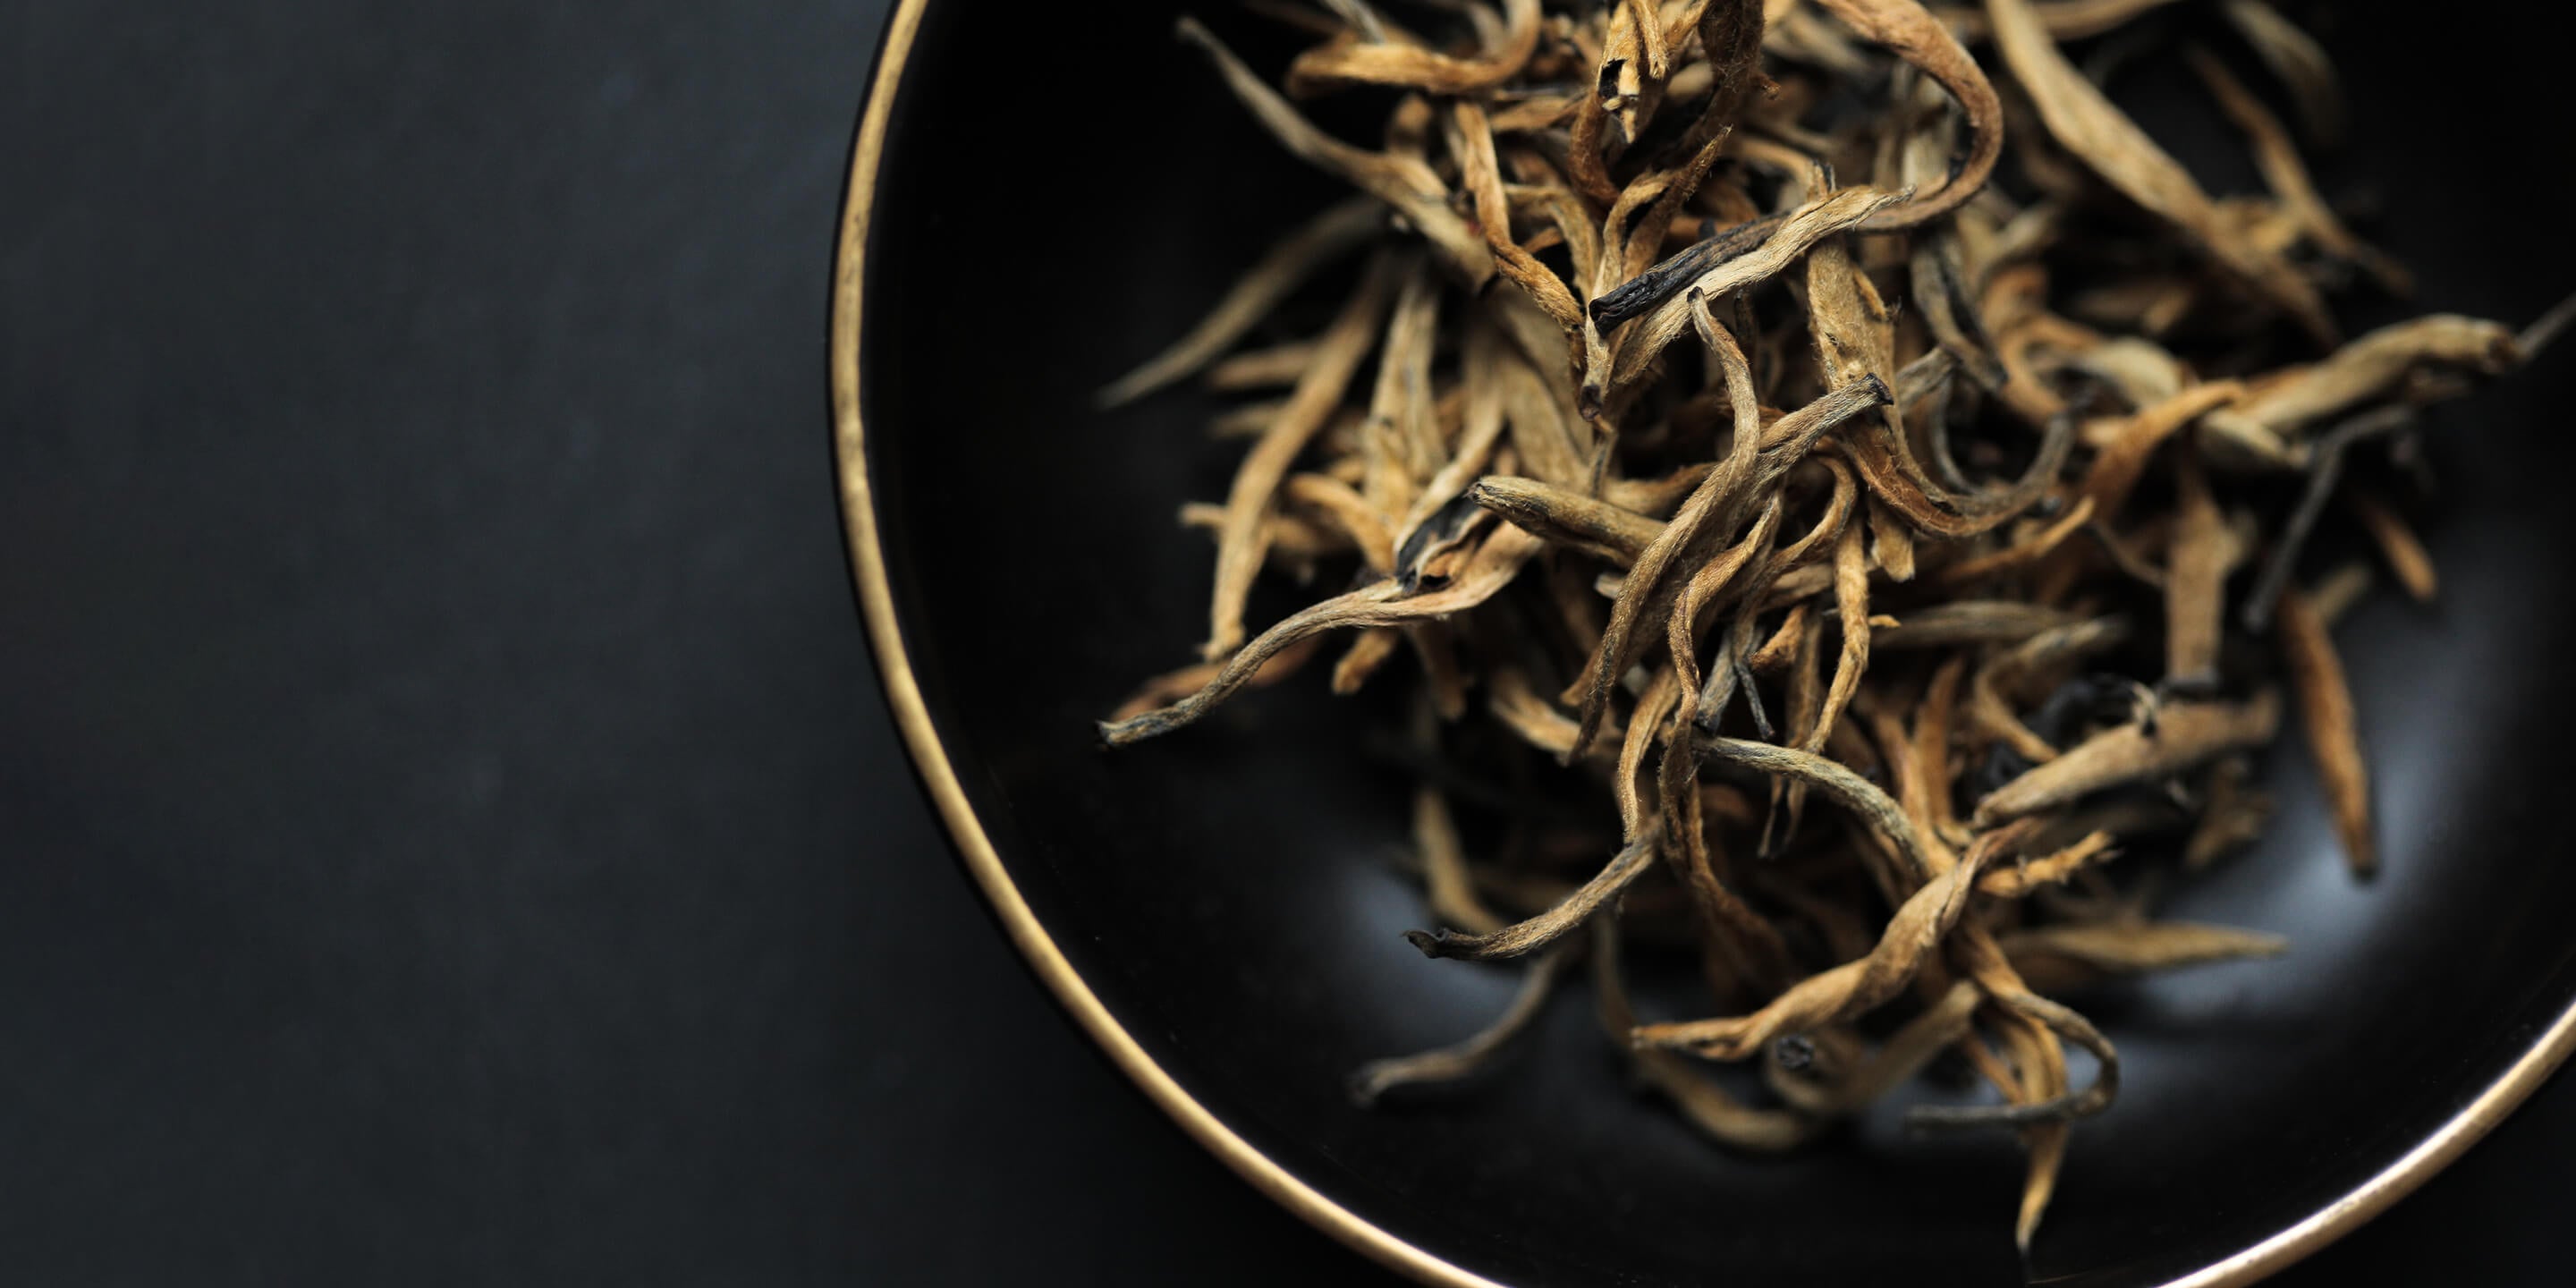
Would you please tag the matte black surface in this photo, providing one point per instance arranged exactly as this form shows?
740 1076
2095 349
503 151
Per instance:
448 832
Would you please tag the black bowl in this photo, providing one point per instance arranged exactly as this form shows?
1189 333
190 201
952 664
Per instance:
1031 213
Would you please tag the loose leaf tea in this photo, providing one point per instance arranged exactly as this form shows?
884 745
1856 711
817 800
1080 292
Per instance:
1840 469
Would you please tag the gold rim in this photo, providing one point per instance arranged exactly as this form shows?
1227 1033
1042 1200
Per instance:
903 693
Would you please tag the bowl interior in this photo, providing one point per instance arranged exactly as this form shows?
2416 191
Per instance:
1062 193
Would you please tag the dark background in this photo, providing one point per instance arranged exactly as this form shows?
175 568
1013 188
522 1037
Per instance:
449 832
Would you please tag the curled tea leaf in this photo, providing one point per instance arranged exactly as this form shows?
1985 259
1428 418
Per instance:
1465 1058
1379 604
1548 927
1405 183
1910 31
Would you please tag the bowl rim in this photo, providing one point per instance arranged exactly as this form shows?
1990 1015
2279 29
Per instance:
1037 947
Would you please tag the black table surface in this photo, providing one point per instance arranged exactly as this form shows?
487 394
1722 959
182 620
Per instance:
449 831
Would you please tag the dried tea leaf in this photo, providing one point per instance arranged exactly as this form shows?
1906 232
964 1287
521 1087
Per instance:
2024 553
2070 956
2333 728
1800 231
1910 32
2325 467
2032 874
1172 686
1450 887
1338 356
2007 671
1832 778
2369 368
1705 1104
1543 427
1471 142
2397 542
2232 813
1851 602
1652 286
1906 1053
1406 183
1341 228
2196 582
1380 604
1353 58
1975 952
1614 655
2186 733
2287 175
1971 621
1548 927
1291 540
1569 518
2067 19
2086 124
1466 1058
2338 591
1345 510
1275 367
1854 988
2296 58
2130 442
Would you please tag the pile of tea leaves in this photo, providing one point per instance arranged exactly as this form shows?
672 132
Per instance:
1862 454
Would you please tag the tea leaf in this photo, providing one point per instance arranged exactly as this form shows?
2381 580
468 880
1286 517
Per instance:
1566 517
2086 124
1801 230
1405 183
1851 989
2121 948
1548 927
2287 175
1701 1101
1910 32
2325 467
1352 57
2027 876
1343 227
2186 734
1970 621
1465 1058
2398 544
2367 369
2297 60
2333 729
1614 654
2196 582
1380 604
1337 359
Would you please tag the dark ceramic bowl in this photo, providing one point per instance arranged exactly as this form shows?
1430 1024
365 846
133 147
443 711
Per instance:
1030 212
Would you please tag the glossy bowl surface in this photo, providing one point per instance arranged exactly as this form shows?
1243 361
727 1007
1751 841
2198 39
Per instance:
1032 210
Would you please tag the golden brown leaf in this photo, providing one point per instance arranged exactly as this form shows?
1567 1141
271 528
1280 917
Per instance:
2086 124
2333 728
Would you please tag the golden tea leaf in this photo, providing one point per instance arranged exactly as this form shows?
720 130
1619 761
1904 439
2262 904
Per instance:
2086 124
2333 729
